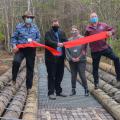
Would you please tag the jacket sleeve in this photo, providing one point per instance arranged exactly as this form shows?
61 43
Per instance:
14 38
84 48
86 33
68 55
86 29
109 28
49 41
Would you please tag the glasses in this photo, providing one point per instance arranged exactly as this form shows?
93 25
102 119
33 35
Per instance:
28 17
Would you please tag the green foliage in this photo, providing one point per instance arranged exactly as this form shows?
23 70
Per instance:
45 5
69 12
118 30
85 1
2 37
115 44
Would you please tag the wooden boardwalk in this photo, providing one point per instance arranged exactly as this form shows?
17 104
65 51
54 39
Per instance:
35 105
77 107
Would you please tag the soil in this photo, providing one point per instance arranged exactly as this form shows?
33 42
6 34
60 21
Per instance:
5 61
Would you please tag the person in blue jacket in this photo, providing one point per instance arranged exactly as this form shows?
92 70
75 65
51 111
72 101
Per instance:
25 32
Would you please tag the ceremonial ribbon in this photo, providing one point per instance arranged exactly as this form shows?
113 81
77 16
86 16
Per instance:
69 44
35 44
85 40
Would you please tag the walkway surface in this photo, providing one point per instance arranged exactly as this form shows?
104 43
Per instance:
77 107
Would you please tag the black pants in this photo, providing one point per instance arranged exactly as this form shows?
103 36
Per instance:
29 54
96 60
78 67
55 70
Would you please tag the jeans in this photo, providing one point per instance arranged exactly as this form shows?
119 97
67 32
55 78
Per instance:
96 60
78 67
29 54
55 70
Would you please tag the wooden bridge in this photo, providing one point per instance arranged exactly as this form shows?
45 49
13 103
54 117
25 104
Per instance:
102 104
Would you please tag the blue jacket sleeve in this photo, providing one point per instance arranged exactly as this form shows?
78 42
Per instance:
38 35
14 38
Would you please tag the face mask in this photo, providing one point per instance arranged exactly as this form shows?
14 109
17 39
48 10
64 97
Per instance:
74 33
94 20
28 20
55 28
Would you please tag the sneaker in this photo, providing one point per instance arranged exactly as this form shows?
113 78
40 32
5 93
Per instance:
12 83
52 97
96 86
61 95
86 92
117 85
73 92
28 91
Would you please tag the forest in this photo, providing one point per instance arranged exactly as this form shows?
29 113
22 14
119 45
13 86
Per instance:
69 12
18 101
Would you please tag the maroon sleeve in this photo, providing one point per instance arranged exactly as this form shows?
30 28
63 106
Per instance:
109 28
87 31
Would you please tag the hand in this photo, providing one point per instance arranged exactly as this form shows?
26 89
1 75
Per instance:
75 59
109 33
15 49
60 44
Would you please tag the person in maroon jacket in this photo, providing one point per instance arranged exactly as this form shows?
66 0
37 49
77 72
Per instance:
101 48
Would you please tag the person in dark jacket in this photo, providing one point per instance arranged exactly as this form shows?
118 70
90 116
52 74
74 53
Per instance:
55 64
25 33
77 61
101 48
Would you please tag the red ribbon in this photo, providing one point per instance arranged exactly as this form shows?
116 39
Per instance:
35 44
77 42
85 40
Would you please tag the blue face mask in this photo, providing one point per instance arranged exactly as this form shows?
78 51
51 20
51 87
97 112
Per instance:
94 20
28 20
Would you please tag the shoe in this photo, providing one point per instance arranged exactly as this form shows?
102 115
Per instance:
86 92
52 97
96 86
12 83
61 95
73 92
28 91
117 85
